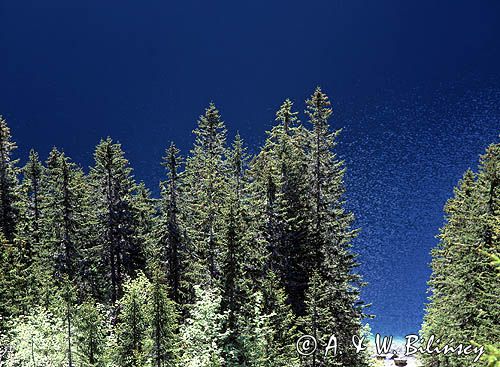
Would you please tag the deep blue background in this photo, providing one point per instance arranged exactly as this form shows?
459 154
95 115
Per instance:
414 85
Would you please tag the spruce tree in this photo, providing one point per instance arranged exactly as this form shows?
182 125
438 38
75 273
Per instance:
28 264
8 183
333 294
279 175
317 321
30 206
464 302
12 283
281 322
170 245
259 338
68 301
90 334
257 335
133 339
203 196
235 238
65 214
162 317
492 351
117 230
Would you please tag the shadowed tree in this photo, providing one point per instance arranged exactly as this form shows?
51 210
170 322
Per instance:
168 233
8 183
279 174
117 221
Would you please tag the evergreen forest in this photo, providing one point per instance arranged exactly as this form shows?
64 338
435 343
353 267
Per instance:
239 256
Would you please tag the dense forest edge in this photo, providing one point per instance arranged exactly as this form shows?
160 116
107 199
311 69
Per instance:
464 287
239 257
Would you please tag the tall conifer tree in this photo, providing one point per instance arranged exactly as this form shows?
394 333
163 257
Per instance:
464 301
65 214
133 339
168 232
12 282
280 179
30 250
30 206
117 229
203 196
90 335
333 294
280 320
162 317
8 183
236 237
